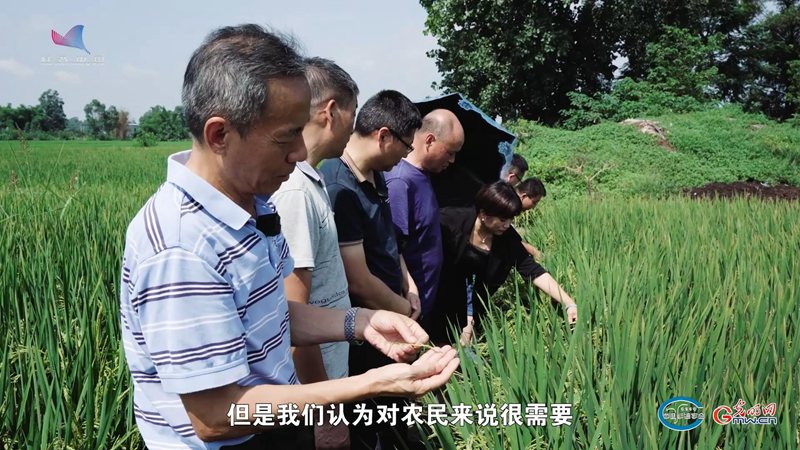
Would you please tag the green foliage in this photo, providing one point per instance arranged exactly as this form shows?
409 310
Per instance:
98 163
20 118
793 90
64 209
720 144
146 139
628 99
52 111
99 120
521 58
102 122
682 64
75 125
680 73
672 301
772 64
164 124
642 22
652 325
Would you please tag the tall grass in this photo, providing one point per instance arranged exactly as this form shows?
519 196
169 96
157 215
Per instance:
63 215
677 298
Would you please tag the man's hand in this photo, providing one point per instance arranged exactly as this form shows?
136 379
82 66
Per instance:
431 371
397 336
410 290
416 307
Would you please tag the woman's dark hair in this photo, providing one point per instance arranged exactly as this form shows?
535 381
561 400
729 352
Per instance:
498 199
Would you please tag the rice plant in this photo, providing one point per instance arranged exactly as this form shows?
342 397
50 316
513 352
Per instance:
677 298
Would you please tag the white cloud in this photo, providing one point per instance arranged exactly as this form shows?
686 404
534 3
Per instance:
67 77
138 72
15 67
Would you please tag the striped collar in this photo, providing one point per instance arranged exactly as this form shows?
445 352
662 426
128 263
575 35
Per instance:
215 202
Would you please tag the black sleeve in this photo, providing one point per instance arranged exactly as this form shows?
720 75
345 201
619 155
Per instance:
450 221
347 213
523 261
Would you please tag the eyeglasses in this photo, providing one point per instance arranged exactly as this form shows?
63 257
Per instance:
409 147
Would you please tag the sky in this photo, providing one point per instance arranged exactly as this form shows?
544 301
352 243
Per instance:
139 50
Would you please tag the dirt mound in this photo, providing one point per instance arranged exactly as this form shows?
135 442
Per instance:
652 128
749 189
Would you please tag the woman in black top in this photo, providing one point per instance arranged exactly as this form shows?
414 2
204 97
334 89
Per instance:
480 249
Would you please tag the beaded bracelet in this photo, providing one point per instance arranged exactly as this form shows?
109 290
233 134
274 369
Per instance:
350 325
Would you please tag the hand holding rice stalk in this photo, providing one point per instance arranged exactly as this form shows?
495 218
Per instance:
430 371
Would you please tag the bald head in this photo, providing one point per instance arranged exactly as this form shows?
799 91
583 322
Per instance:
438 140
444 124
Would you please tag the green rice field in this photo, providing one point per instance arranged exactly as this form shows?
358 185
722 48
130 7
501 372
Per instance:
676 298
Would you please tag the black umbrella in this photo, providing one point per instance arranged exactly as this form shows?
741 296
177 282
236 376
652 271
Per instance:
487 148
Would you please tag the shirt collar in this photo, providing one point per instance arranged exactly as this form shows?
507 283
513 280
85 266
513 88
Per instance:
404 161
215 202
310 171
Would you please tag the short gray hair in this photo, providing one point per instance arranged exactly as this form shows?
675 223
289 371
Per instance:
227 76
327 80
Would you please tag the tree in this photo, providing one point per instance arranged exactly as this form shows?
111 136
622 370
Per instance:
25 118
682 64
95 117
122 125
164 124
75 125
641 22
773 63
52 111
680 78
111 121
520 58
102 122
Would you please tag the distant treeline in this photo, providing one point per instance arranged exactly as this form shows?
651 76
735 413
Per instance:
48 121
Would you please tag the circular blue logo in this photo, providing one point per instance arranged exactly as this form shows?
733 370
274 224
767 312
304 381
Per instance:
681 413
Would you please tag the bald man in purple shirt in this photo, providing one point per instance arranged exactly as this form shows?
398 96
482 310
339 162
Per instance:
415 211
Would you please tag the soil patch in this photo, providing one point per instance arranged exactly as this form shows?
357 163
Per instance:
749 189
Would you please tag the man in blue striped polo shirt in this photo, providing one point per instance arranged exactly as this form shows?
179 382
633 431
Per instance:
205 321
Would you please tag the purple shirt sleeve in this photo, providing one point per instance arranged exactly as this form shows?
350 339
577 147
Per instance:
399 202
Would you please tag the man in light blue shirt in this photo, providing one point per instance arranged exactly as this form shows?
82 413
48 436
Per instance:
205 322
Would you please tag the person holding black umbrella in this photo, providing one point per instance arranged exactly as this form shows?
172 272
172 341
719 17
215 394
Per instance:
486 150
